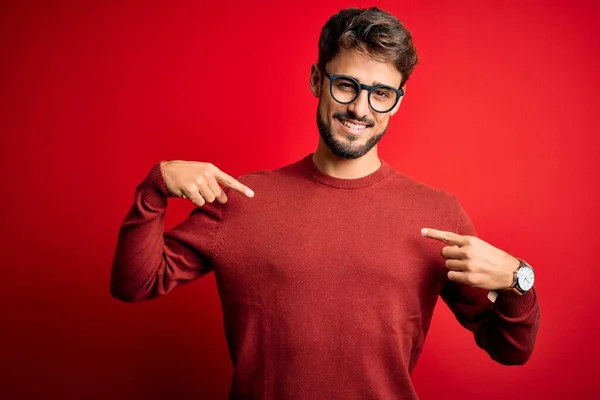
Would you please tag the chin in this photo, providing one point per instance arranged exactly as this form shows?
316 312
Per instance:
342 147
348 139
344 142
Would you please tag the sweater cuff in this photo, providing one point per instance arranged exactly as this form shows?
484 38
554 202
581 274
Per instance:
515 305
153 188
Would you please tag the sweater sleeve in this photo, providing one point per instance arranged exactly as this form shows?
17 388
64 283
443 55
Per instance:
507 328
149 262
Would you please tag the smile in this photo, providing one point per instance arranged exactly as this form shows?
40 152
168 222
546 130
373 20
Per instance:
353 128
352 124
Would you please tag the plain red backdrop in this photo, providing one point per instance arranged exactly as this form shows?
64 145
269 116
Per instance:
502 111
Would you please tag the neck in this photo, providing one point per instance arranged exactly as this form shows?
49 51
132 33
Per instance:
343 168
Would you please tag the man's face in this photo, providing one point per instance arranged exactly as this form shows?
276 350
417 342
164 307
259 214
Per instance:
352 130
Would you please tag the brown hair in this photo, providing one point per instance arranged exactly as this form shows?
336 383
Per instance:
372 31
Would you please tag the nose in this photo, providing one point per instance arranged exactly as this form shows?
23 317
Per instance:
360 105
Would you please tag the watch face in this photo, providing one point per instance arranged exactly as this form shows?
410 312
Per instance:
525 278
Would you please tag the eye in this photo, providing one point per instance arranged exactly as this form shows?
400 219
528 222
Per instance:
344 85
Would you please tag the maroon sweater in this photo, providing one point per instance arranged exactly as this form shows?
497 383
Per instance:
326 284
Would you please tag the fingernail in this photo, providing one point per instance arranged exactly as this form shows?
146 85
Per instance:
249 193
424 231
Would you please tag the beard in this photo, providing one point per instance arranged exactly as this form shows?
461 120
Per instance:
347 150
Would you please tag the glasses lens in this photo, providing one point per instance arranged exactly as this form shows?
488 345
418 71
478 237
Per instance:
343 90
383 98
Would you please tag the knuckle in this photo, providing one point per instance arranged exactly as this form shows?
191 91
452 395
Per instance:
200 180
210 168
465 253
189 189
470 279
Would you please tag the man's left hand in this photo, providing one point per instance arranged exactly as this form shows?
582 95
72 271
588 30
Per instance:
474 262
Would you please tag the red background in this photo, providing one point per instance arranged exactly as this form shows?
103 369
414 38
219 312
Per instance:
502 111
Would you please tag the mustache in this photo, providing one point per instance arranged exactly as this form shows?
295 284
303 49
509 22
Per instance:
352 117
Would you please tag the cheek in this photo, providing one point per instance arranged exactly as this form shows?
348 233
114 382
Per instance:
382 119
327 109
323 111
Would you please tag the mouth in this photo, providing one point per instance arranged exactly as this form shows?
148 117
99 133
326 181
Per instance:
354 128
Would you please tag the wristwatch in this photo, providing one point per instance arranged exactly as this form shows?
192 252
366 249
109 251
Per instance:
523 278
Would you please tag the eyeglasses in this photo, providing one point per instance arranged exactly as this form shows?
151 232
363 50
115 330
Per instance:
345 89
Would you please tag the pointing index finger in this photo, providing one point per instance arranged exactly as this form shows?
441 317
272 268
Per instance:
444 236
233 183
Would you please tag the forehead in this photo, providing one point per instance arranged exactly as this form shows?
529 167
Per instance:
364 68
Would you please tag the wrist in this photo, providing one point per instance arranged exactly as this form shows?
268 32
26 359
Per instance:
513 265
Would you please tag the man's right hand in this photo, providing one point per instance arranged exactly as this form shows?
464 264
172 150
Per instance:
199 181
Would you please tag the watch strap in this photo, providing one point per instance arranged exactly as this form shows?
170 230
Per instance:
515 286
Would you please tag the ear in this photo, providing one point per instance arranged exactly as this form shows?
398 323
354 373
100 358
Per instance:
399 101
315 80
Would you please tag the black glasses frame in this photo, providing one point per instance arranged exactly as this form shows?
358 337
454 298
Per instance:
361 87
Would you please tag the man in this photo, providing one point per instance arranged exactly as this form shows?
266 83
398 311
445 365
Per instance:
328 269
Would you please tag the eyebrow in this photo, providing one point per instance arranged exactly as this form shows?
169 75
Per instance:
375 83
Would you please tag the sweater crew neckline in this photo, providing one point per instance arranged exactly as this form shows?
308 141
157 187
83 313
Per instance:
345 183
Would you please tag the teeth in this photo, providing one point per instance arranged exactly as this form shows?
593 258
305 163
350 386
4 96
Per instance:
353 126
